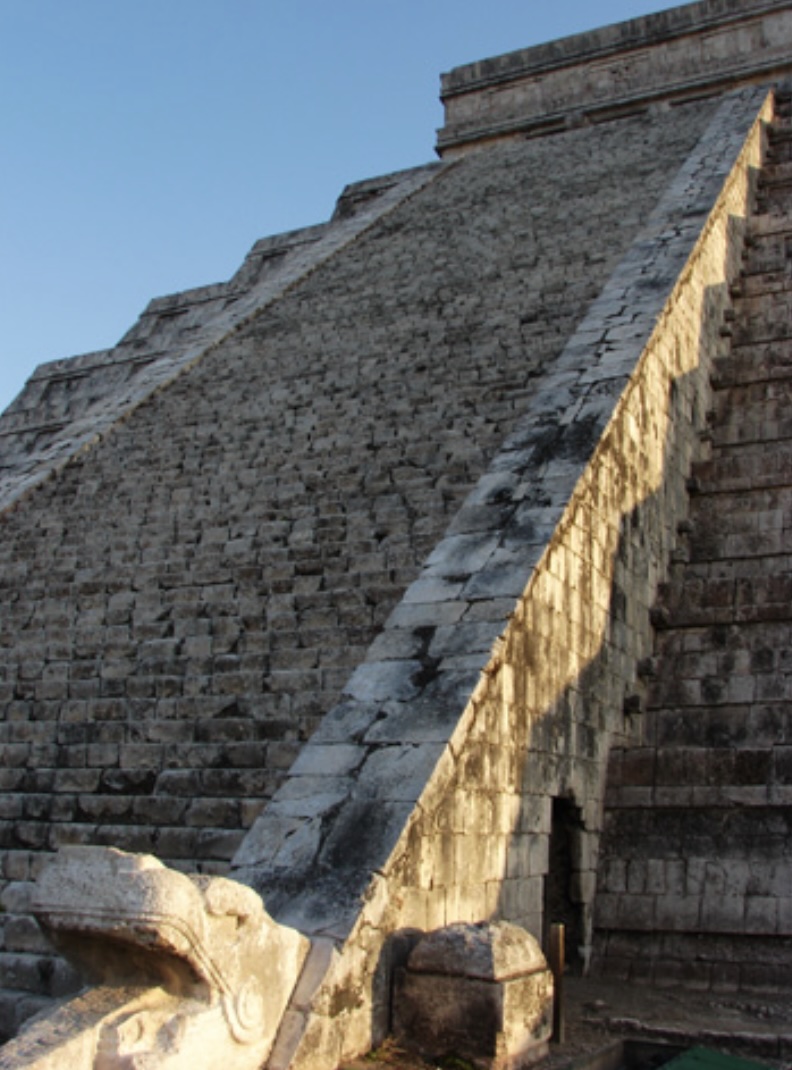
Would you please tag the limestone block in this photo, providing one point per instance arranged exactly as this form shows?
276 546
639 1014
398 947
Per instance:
479 992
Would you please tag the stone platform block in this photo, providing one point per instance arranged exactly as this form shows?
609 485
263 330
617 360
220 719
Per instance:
481 992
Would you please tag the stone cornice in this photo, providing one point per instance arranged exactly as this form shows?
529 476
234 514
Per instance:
683 53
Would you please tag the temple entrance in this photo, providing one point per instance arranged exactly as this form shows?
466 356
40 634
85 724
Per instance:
561 901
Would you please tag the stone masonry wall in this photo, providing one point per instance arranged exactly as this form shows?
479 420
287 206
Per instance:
682 53
186 596
511 664
67 405
695 879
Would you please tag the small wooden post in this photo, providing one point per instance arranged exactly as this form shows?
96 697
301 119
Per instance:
556 963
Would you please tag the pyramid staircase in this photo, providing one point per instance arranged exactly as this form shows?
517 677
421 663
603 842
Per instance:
695 885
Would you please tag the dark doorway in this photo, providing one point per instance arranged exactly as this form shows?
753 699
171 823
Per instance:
561 903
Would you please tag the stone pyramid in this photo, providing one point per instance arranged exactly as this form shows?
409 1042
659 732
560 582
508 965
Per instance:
340 578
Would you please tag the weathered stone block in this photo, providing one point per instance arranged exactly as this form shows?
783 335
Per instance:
479 992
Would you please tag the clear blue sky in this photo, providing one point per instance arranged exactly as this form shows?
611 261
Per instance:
146 144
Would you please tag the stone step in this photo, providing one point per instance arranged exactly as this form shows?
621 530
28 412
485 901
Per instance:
629 797
774 185
765 270
762 647
768 245
759 284
759 227
34 974
762 425
719 870
716 544
752 465
695 693
719 963
175 845
699 817
757 411
708 769
767 424
728 834
715 589
776 174
753 364
764 318
745 571
758 511
780 142
731 725
714 606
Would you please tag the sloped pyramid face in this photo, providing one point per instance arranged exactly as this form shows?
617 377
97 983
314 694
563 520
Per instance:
336 575
230 549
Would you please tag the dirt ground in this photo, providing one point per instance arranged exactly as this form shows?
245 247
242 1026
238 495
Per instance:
598 1013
